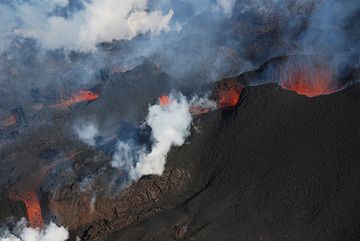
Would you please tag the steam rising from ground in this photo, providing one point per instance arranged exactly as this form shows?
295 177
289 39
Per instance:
170 126
87 132
22 233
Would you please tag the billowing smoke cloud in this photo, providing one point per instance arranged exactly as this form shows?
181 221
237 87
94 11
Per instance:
334 32
22 233
125 157
203 102
170 125
95 22
226 5
8 23
87 132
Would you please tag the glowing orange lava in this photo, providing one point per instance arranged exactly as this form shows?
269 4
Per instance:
78 97
228 98
310 82
164 100
9 121
228 92
25 190
33 208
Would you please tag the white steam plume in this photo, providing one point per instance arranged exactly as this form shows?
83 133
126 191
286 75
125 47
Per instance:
226 5
22 233
170 124
87 132
98 21
124 157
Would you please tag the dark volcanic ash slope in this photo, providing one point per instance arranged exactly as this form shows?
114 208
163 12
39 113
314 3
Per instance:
280 166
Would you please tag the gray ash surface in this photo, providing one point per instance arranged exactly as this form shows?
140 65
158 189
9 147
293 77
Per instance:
280 166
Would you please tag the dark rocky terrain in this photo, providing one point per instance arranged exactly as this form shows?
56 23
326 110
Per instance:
275 158
277 166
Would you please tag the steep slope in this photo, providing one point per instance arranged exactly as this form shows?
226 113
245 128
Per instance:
280 166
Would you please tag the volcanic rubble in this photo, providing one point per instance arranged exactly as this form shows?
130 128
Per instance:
270 165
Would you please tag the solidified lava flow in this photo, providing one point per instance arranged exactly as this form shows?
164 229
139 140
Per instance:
33 208
77 97
310 81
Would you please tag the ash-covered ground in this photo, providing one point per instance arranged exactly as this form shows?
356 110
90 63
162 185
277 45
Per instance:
179 120
277 166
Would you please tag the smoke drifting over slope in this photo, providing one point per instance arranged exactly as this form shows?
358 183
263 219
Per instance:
87 132
213 39
170 126
195 42
104 61
334 32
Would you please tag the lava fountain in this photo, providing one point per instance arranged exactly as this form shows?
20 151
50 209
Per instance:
310 80
228 92
164 100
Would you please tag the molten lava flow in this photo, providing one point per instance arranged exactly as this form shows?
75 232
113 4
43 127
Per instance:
164 100
25 190
228 92
17 117
9 121
229 98
33 208
78 97
310 81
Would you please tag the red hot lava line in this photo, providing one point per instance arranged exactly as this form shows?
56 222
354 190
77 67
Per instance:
310 81
228 92
9 121
164 100
33 208
77 97
25 191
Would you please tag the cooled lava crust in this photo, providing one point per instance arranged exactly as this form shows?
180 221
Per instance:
280 166
276 166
